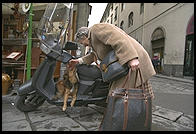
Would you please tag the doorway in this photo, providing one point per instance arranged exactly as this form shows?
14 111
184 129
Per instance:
158 43
189 56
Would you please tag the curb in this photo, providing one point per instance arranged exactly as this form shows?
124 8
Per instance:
175 78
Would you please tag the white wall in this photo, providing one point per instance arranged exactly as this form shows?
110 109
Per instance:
174 24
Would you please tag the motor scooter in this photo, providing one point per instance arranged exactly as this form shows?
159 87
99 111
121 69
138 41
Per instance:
42 87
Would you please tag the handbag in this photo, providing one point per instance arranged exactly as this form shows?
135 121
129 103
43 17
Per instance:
128 109
111 69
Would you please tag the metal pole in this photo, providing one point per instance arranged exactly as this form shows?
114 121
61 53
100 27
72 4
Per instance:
29 44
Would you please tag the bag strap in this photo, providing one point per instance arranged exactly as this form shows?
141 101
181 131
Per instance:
126 102
128 78
141 79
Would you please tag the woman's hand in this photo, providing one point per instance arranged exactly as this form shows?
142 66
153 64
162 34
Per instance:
72 63
133 64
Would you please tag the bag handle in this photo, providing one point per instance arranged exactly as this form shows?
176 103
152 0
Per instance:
128 78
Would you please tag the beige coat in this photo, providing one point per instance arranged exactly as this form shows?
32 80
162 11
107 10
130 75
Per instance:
105 37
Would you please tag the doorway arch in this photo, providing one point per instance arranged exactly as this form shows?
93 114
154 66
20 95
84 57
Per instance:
189 49
158 44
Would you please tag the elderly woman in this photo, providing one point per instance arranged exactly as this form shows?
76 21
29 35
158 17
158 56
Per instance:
105 37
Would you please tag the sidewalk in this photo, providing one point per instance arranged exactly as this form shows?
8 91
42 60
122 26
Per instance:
51 118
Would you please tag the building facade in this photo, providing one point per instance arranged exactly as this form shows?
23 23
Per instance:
163 29
14 37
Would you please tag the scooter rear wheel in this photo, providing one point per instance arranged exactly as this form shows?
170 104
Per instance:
29 102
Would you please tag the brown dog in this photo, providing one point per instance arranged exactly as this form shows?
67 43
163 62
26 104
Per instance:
64 87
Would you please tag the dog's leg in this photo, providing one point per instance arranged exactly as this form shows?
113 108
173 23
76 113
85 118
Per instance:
66 95
74 93
60 89
73 100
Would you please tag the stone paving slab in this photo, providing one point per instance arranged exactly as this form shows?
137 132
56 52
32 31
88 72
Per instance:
21 125
91 121
46 112
77 111
168 125
172 120
10 113
58 124
186 120
7 107
12 116
98 108
167 113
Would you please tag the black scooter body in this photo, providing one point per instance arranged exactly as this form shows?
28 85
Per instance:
42 82
42 79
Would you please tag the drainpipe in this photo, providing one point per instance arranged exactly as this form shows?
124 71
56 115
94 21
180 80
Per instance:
143 25
28 76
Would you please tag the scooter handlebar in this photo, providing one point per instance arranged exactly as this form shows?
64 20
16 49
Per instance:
70 46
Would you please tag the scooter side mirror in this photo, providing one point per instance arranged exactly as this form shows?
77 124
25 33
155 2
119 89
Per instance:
70 46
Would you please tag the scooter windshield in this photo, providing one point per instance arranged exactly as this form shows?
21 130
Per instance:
54 24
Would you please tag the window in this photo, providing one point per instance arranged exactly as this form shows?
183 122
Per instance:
141 8
121 24
130 19
112 6
111 18
115 17
103 19
122 7
107 13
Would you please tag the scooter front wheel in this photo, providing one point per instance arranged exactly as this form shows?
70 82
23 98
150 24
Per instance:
29 102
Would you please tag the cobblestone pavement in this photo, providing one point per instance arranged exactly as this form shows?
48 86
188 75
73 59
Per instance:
174 94
51 118
165 85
